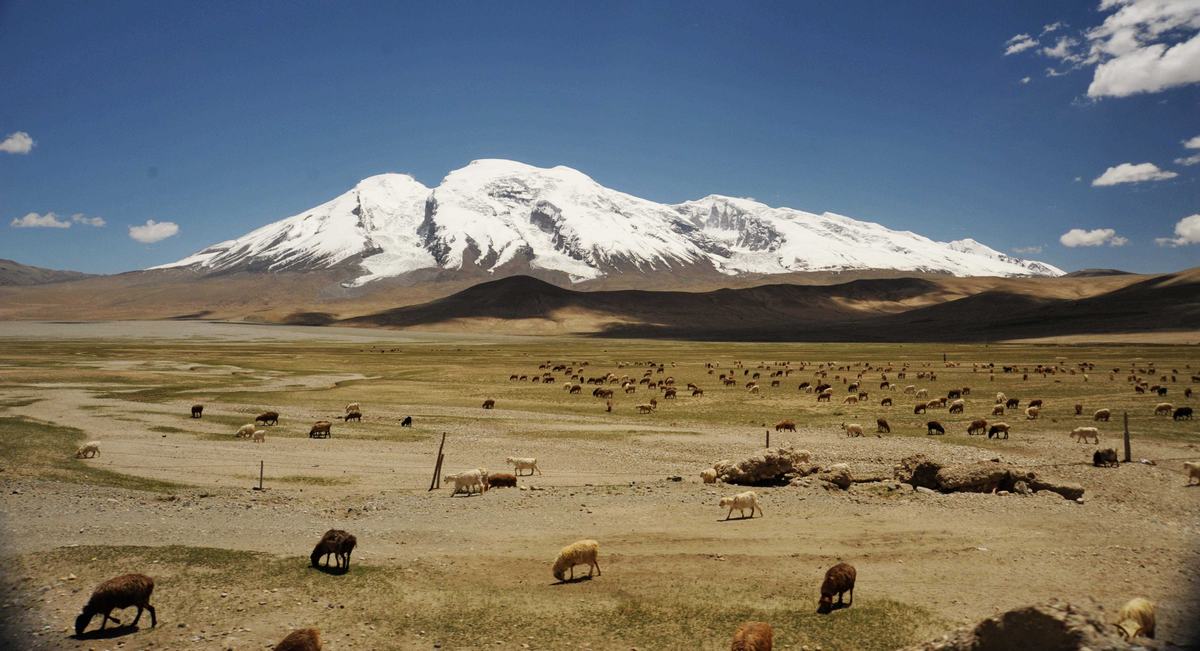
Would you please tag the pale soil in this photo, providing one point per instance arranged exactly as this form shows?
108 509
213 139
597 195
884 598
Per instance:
961 556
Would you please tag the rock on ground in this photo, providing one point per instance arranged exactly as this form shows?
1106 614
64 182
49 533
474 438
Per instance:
765 468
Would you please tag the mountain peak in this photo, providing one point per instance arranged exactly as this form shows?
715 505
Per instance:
503 217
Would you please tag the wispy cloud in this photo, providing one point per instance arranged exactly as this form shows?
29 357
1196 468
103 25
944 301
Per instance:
1028 250
34 220
1194 159
1098 237
153 231
17 143
1019 43
80 218
1026 80
1187 231
1132 173
1053 27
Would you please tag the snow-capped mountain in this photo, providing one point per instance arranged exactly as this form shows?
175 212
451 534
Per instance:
501 216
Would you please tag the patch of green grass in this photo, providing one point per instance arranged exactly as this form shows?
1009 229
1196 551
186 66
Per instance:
308 480
47 451
166 429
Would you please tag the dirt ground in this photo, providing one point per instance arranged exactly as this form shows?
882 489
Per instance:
172 496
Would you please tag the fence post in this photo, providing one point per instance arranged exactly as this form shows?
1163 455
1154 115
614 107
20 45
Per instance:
260 475
768 438
437 467
1128 455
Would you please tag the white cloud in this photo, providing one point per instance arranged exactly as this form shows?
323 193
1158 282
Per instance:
1019 43
153 231
34 220
1188 161
17 143
1097 237
1078 179
1192 143
80 218
1025 80
1187 231
1027 250
1132 173
1142 46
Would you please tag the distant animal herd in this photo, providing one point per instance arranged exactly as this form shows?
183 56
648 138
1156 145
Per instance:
1136 618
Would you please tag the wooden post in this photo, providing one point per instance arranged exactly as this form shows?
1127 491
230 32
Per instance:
260 475
1128 455
437 468
768 438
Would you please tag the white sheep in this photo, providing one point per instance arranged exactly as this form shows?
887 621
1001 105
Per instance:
850 400
709 475
1001 398
741 502
467 481
353 407
1193 471
853 429
1163 409
582 552
524 463
922 393
88 450
1082 434
260 435
1031 413
911 388
1136 618
246 431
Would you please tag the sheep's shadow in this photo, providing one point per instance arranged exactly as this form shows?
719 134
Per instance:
737 519
332 570
578 579
108 633
826 610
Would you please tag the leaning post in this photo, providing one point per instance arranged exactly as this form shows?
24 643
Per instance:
1128 454
437 466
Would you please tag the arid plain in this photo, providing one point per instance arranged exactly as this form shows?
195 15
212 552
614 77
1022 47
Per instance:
172 496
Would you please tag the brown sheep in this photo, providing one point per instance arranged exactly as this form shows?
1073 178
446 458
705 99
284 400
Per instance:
321 429
489 404
934 427
998 410
977 426
197 411
500 480
785 425
268 418
303 639
886 402
753 636
1102 415
125 591
354 415
839 580
882 427
336 542
920 408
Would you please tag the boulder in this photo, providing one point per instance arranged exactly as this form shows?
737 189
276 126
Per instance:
767 468
1054 626
917 470
1068 490
839 477
982 477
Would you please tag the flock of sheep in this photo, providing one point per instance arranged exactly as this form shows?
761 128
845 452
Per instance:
1135 619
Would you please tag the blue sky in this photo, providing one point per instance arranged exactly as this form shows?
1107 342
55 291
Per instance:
220 117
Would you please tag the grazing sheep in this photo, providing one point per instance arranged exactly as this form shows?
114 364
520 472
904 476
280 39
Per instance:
825 396
853 429
407 422
910 388
197 411
523 463
467 482
322 429
1106 458
489 404
1078 409
920 408
934 427
785 425
839 580
303 639
1082 434
922 393
977 426
582 552
353 415
1163 409
742 502
259 435
125 591
708 475
336 542
1193 471
850 400
886 402
500 480
998 410
882 426
246 431
753 636
354 406
1136 618
1031 413
1102 415
1001 398
957 406
268 418
88 450
1012 403
645 409
997 429
1182 413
